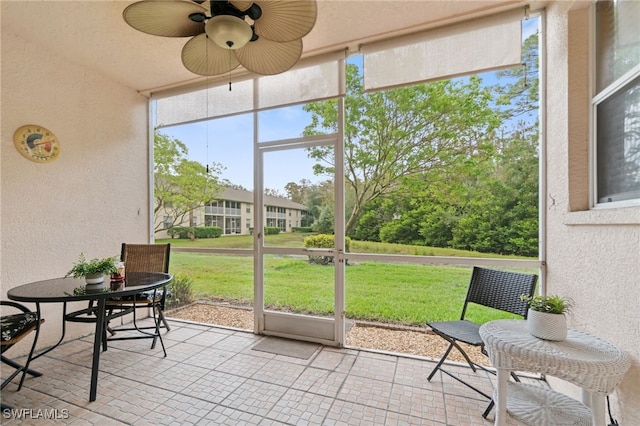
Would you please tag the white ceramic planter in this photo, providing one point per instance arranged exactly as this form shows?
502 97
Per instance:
547 326
94 278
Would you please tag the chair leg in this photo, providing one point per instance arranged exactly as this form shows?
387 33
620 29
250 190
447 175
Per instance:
107 327
158 335
32 350
437 367
20 369
163 318
488 410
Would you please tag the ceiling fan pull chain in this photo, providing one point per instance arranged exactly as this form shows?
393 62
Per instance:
229 73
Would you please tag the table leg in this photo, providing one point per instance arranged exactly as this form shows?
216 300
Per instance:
596 402
97 343
501 397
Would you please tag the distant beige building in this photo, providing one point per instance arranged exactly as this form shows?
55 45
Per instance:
233 213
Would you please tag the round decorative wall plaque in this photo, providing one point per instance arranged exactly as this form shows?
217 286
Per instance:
36 143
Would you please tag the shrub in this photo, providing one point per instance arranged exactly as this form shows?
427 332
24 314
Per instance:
181 288
268 230
207 231
185 232
271 230
181 232
323 241
304 229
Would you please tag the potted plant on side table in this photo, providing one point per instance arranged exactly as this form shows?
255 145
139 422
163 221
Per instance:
93 270
546 316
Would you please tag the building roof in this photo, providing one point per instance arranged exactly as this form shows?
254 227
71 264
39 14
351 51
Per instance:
245 196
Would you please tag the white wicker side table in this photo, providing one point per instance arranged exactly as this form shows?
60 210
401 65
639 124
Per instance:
591 363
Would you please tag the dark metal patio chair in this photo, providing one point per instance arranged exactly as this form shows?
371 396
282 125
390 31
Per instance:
495 289
13 328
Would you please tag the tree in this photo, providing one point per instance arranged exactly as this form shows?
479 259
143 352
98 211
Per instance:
325 223
274 193
180 185
396 134
520 98
314 196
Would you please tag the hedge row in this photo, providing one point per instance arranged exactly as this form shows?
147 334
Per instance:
268 230
304 229
184 232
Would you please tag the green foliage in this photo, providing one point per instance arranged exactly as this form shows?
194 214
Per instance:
207 231
178 232
402 231
324 224
368 227
269 230
186 232
323 241
446 164
291 239
180 185
306 229
520 95
409 131
312 195
84 267
181 288
552 304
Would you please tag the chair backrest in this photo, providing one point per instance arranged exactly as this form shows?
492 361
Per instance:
500 290
145 257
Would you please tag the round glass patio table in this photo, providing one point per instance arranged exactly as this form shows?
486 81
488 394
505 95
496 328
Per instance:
74 289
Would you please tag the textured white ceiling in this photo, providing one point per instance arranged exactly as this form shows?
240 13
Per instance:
93 34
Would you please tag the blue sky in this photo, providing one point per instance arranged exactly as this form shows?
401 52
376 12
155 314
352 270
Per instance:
229 141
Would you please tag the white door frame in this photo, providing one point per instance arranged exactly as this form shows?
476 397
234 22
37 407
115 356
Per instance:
328 331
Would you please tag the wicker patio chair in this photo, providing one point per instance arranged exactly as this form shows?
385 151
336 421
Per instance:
13 328
143 258
495 289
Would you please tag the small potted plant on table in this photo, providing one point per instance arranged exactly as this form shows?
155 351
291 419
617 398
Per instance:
93 270
546 316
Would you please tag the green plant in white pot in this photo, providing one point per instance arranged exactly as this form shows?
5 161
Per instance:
93 270
546 316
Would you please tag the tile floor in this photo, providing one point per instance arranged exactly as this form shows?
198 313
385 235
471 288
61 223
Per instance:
212 376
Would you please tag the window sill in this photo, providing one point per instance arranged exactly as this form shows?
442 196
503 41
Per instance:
604 216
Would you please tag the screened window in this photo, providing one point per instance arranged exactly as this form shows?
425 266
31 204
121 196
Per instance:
617 102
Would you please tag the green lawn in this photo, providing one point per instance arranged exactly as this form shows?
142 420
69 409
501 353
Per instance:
387 292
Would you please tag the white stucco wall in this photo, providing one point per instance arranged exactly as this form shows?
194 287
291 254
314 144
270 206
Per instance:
90 199
592 256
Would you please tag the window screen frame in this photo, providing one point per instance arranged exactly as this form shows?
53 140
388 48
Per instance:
615 88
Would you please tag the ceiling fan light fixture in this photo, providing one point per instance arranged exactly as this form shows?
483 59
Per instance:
228 31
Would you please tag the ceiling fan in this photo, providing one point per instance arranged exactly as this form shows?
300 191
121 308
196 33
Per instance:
264 36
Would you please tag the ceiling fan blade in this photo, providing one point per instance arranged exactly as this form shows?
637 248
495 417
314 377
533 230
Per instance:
203 57
164 18
241 5
268 57
285 20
